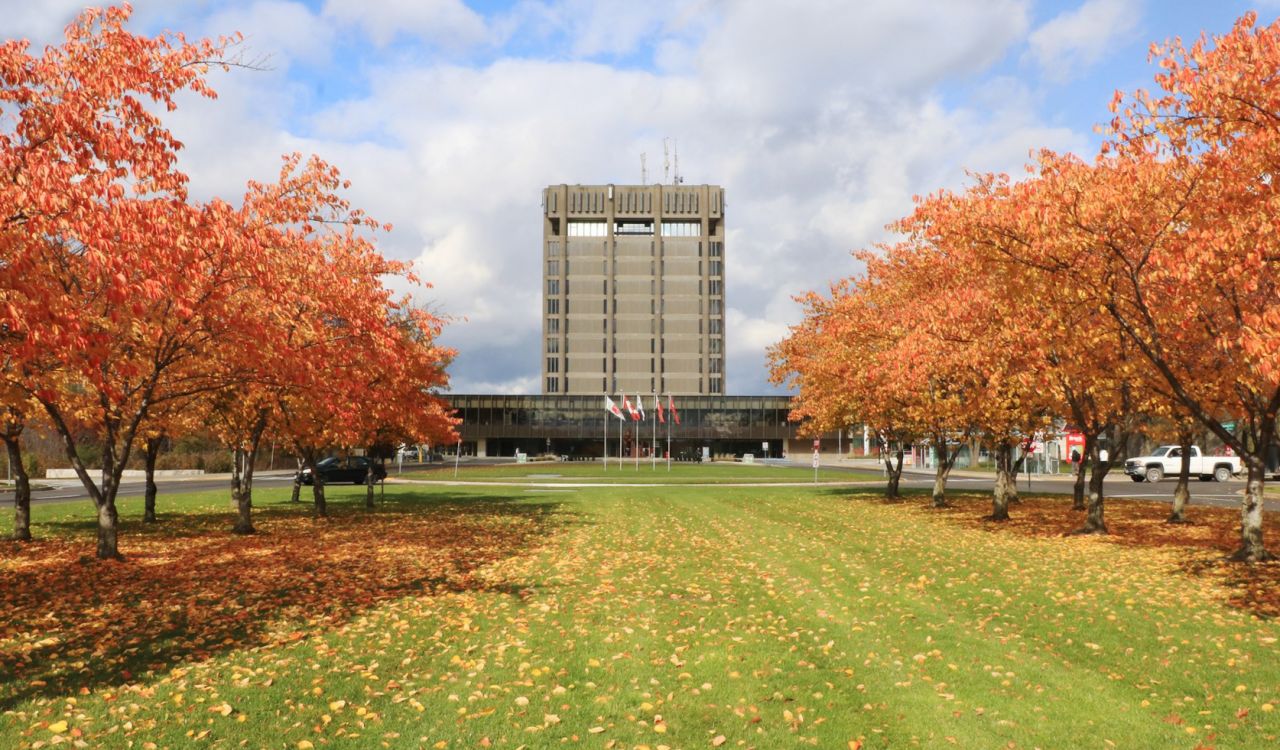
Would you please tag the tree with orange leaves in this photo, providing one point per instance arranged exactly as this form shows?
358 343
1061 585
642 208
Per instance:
1206 145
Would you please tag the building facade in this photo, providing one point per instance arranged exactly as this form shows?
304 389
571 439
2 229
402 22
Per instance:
578 427
633 289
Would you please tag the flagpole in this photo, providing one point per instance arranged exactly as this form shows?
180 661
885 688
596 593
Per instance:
668 432
606 435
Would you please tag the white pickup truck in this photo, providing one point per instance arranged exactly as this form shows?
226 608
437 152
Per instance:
1167 461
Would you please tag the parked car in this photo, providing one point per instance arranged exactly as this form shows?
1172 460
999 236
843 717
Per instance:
335 470
1167 461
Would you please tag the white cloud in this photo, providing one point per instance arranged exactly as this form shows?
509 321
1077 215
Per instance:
449 23
40 22
1078 39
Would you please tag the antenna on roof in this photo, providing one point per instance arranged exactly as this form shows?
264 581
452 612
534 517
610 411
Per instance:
644 170
677 179
666 162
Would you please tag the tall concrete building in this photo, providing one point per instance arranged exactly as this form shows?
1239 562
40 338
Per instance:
633 289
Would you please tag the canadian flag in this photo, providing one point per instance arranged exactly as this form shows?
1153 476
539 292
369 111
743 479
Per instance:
657 406
671 407
613 409
626 403
640 406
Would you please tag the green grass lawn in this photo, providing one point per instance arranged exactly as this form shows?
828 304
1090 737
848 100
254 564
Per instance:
678 617
645 472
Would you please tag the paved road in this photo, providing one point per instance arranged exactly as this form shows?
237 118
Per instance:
67 490
1117 487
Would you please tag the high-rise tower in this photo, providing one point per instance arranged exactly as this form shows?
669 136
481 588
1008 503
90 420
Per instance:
633 289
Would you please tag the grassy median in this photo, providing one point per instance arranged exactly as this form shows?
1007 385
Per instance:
618 617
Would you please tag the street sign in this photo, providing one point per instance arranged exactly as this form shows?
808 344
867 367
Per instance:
817 443
815 459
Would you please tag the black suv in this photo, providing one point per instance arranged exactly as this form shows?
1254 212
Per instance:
335 470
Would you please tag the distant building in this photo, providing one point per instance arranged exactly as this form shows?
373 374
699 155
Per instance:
633 290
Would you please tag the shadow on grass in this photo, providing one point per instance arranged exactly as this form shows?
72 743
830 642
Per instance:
190 590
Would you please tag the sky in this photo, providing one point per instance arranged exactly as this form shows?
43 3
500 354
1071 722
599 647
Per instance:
820 118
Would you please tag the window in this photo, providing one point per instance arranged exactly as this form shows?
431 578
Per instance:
553 325
633 227
553 346
715 385
553 307
587 229
717 268
715 346
553 364
717 248
553 248
604 286
715 286
715 325
716 307
553 268
553 385
604 306
716 366
553 286
681 228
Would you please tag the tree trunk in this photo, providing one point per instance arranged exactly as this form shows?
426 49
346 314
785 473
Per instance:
104 497
1182 493
1006 486
317 489
946 462
1251 549
940 486
242 476
108 526
891 491
21 487
297 484
368 485
1094 522
150 454
1077 491
241 491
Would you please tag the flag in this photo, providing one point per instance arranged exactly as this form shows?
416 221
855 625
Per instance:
657 406
640 406
671 407
613 409
626 403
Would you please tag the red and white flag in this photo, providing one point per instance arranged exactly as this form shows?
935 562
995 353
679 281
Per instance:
640 406
671 407
657 406
626 403
613 409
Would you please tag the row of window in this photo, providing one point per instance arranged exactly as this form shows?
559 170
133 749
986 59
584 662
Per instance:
715 250
716 366
714 325
553 346
656 286
578 228
715 386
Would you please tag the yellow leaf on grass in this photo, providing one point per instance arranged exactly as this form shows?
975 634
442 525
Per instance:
58 727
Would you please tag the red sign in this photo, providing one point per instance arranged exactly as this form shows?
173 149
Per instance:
817 444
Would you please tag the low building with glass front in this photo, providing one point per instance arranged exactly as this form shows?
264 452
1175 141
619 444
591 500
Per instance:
574 427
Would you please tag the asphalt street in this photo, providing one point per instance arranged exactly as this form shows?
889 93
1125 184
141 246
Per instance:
1118 486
